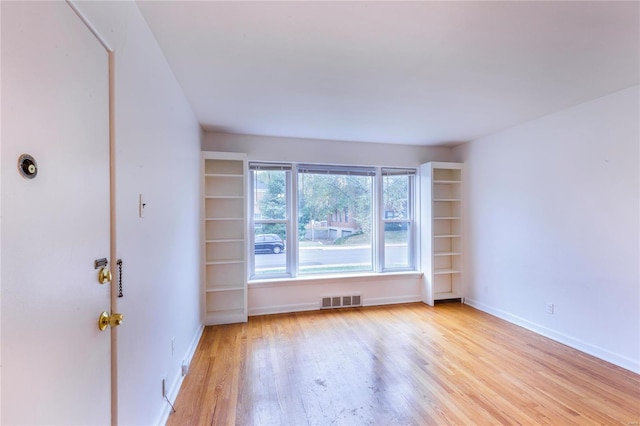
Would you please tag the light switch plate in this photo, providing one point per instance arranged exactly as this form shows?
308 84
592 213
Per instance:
141 205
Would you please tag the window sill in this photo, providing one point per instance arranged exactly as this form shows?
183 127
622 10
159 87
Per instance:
324 279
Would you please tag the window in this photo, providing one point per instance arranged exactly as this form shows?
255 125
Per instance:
397 204
335 219
327 219
271 218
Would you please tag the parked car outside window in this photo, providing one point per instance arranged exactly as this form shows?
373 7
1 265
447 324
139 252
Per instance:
268 243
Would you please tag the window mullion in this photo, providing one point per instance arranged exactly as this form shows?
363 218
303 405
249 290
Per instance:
413 259
292 200
250 268
378 232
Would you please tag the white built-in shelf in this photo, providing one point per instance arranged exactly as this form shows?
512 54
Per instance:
224 237
225 312
225 316
223 262
446 271
227 288
230 310
447 295
447 253
223 175
441 231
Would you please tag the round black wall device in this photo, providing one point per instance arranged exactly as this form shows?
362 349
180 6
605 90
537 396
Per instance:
27 166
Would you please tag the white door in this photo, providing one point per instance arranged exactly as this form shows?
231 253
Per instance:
55 361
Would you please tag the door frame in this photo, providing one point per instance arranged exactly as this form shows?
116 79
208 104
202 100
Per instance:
112 203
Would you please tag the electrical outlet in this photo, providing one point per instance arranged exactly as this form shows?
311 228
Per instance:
550 308
185 368
164 388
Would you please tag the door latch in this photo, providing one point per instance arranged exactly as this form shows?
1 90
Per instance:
105 320
104 274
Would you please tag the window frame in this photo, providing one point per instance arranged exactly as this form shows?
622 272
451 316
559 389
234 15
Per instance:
343 170
410 220
287 169
378 221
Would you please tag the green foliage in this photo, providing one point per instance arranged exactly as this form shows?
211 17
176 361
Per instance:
303 221
322 195
319 196
273 203
396 196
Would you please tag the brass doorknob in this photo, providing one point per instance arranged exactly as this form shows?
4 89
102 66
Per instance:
105 320
104 275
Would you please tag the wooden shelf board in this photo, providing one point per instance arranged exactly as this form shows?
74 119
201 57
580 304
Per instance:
223 289
446 295
447 253
234 175
445 271
227 316
223 262
447 236
446 199
446 217
446 181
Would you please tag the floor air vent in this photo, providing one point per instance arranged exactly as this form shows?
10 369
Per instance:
340 302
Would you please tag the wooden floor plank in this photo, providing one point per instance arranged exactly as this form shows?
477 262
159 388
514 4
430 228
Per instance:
401 364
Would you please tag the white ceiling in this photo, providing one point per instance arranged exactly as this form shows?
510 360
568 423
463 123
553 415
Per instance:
421 73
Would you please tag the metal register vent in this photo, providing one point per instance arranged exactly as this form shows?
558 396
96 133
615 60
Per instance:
340 302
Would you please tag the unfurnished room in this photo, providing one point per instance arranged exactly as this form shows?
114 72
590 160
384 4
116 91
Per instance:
319 212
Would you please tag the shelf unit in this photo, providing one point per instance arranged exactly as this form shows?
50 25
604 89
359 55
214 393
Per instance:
441 231
224 237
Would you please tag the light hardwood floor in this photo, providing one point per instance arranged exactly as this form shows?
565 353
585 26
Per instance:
400 364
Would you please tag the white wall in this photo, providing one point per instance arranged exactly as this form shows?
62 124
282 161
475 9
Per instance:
279 296
157 155
306 293
0 237
552 211
266 148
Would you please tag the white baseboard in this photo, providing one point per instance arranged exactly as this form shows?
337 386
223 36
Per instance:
178 378
284 309
598 352
301 307
377 301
